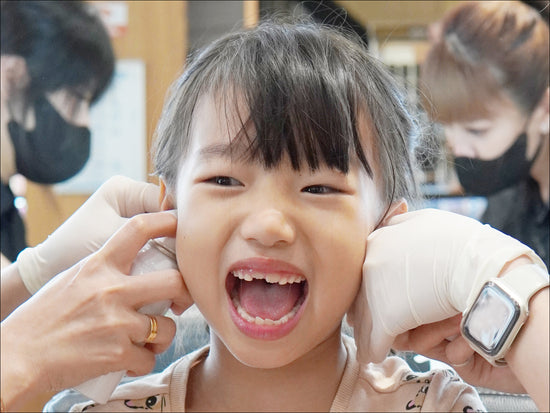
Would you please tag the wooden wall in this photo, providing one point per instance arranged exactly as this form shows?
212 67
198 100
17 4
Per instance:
383 14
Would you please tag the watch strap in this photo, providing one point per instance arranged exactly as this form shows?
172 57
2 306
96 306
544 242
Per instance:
523 283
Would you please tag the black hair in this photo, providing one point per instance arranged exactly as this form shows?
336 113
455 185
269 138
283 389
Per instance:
64 44
304 88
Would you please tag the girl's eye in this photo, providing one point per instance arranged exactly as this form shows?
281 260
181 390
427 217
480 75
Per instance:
320 189
224 181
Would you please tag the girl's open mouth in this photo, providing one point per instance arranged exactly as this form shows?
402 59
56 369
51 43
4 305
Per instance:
265 305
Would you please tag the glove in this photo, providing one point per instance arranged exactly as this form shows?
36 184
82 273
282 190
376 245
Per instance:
87 229
424 266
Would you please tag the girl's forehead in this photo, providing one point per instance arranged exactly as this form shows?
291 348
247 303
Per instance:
217 132
215 118
222 128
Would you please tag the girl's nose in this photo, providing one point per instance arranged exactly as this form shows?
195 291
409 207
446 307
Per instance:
269 227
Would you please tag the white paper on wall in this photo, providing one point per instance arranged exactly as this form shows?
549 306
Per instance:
117 123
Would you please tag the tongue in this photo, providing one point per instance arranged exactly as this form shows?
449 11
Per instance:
268 301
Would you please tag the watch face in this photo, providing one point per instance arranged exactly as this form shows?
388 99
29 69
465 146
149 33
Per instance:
492 316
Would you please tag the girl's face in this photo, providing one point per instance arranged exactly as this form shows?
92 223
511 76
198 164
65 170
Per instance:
272 257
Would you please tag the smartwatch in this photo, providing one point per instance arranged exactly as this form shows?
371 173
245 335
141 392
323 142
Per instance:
492 321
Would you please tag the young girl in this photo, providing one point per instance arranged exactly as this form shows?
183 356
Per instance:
282 148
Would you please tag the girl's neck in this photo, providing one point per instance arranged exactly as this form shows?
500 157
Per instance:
222 383
540 171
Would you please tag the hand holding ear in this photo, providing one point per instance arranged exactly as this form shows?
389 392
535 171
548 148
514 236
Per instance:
116 201
422 267
442 341
85 322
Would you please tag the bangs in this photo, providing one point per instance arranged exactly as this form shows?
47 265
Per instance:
298 91
454 89
292 104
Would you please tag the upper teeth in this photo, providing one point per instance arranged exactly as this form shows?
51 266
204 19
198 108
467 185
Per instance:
249 275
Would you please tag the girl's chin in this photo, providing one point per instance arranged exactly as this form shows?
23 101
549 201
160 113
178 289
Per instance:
264 360
255 355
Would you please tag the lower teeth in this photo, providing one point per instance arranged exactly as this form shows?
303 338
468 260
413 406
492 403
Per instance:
265 321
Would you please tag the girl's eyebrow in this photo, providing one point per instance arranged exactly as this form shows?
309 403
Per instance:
221 150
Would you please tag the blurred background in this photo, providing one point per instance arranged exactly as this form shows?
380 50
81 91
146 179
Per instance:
151 40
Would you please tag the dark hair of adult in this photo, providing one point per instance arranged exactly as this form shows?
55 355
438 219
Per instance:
64 44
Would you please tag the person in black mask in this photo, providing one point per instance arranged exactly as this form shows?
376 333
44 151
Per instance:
56 60
485 79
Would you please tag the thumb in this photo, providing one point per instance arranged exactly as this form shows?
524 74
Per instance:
380 345
372 342
131 197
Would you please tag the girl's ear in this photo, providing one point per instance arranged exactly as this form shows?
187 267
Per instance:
166 199
396 208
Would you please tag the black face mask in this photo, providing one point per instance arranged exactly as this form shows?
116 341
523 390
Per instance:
54 151
481 177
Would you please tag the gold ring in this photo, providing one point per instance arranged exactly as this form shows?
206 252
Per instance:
154 329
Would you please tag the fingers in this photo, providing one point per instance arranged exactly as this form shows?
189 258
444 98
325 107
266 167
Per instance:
427 336
140 359
458 352
120 252
124 245
139 362
115 258
380 344
179 309
129 197
140 197
148 288
441 340
154 287
165 331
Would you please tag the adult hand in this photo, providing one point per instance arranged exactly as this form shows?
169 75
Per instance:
84 322
442 341
423 267
87 229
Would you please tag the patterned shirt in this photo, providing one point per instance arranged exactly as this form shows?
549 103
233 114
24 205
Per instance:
387 386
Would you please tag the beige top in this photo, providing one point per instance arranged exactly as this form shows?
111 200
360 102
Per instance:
387 386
